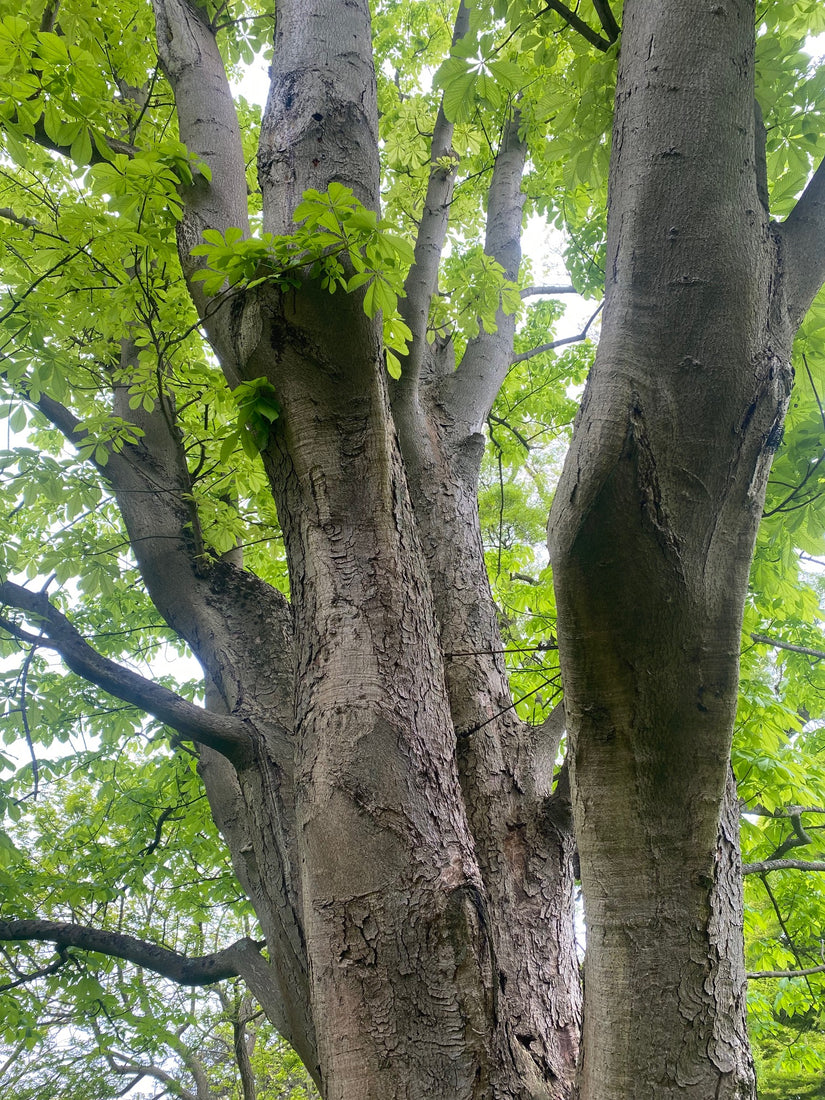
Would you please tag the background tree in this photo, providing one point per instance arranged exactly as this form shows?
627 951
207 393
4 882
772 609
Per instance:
304 519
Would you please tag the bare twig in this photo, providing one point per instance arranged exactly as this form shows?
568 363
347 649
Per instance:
786 973
525 355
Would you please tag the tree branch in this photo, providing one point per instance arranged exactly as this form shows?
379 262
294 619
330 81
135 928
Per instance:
525 355
136 1069
201 970
578 24
763 639
799 839
208 125
422 280
472 389
786 973
788 938
42 972
242 1059
28 223
40 137
803 233
607 19
768 865
225 734
529 291
788 811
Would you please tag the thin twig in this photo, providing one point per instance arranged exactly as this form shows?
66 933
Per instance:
784 927
786 973
525 355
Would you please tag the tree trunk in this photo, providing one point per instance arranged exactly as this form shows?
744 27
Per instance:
652 533
418 947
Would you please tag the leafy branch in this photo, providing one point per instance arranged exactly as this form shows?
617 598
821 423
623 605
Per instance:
200 970
338 241
223 733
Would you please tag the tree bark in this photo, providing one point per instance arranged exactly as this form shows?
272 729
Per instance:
522 830
651 538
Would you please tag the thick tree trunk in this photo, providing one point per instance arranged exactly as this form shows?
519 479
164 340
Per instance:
522 830
424 974
652 533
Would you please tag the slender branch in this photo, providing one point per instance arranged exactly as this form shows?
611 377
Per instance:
45 275
129 1069
768 865
803 232
12 1058
607 19
529 291
10 216
422 281
513 431
154 843
27 733
798 839
200 970
242 19
525 355
763 639
244 1062
578 24
784 927
43 972
40 137
486 360
223 733
786 973
208 125
788 811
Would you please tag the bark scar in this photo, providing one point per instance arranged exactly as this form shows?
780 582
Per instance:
653 508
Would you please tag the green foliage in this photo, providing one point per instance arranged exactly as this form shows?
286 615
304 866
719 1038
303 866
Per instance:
257 408
338 241
476 75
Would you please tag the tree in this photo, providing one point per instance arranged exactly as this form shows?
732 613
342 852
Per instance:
406 841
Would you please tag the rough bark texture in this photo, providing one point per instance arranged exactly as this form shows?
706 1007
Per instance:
652 533
436 962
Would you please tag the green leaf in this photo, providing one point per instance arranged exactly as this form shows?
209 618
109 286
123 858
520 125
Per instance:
459 97
81 151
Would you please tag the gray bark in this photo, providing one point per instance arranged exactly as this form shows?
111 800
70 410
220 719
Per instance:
651 537
522 831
